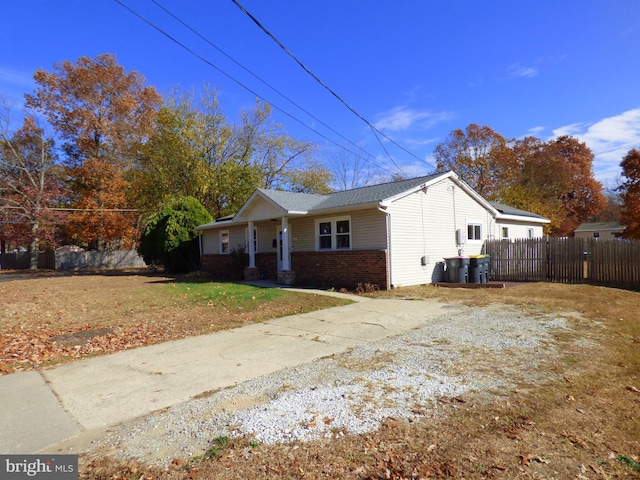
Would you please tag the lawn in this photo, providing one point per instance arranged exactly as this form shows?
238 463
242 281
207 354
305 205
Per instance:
48 320
582 422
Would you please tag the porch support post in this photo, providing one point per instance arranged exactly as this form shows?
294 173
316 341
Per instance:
286 257
252 250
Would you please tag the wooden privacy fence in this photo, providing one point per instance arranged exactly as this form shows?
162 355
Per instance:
613 263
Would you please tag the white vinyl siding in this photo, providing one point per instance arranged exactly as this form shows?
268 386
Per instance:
424 225
516 230
369 230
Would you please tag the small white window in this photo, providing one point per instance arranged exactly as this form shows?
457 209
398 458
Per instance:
530 232
224 241
333 234
505 232
474 231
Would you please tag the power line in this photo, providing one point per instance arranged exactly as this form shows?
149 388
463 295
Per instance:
211 64
375 130
264 82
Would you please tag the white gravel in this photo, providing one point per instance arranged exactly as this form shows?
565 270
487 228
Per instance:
481 349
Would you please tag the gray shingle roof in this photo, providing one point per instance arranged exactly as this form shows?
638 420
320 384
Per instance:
357 196
507 210
599 226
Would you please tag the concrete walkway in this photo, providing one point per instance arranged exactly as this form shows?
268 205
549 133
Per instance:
49 410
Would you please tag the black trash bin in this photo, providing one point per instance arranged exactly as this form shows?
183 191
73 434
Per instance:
463 271
457 269
476 268
485 269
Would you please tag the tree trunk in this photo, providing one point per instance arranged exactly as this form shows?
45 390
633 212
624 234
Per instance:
35 246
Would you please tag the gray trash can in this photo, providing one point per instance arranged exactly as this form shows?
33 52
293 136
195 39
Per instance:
457 269
476 268
485 268
453 265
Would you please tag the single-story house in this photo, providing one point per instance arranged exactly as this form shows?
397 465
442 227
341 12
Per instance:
602 230
389 235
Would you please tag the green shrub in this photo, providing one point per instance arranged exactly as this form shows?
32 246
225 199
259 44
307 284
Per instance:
170 240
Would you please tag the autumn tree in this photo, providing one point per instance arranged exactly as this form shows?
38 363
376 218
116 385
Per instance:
29 185
197 152
103 115
479 156
555 179
630 192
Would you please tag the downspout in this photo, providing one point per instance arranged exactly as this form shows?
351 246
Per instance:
388 224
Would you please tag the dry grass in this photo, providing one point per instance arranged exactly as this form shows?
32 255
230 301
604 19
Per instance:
584 425
49 319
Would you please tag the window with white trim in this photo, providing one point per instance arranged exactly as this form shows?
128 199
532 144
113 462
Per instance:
530 232
333 233
505 232
224 241
474 232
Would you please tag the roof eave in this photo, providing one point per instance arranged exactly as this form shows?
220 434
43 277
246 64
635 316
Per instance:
522 218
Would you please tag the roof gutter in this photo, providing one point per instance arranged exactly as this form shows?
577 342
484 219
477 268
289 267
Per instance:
522 218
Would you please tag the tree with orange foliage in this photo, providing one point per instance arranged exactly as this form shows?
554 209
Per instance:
630 193
479 156
103 114
555 179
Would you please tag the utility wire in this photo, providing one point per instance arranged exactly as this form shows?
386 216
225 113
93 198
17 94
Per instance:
211 64
375 130
264 82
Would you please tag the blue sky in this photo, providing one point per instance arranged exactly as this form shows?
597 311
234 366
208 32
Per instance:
415 69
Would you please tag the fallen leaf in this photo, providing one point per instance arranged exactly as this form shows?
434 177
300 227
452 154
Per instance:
525 460
633 389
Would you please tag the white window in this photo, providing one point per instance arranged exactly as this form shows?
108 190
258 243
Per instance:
255 240
333 233
224 241
530 232
505 232
474 232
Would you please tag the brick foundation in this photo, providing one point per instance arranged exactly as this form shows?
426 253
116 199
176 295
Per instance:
219 266
315 269
341 269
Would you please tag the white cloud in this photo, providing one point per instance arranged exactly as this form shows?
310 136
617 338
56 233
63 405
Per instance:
402 118
519 70
535 131
609 139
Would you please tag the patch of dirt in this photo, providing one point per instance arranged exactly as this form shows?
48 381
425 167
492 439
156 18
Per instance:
81 338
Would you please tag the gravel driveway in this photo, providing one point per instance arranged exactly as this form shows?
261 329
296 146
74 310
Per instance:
486 350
